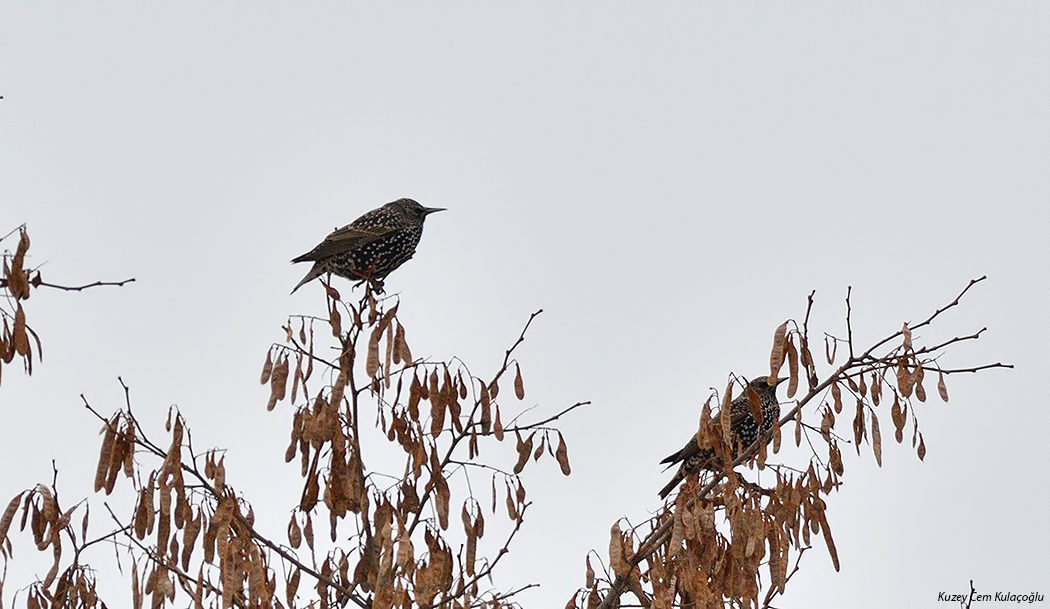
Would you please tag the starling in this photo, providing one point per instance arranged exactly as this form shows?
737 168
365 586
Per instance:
372 246
743 428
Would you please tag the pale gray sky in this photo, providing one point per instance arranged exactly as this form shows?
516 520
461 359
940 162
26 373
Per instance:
667 181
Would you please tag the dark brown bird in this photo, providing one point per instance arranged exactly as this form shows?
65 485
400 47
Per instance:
743 429
372 246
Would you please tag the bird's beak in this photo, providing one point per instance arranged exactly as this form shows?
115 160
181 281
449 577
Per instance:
429 210
780 380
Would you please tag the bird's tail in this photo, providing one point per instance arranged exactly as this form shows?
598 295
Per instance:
670 486
672 458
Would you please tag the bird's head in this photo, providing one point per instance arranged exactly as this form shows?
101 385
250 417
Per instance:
414 210
765 384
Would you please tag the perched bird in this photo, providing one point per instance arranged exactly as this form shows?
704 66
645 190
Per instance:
372 246
744 430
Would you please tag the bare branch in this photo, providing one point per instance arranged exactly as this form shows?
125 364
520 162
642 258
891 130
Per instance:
86 286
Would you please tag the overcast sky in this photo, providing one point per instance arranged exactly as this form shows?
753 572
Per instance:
668 181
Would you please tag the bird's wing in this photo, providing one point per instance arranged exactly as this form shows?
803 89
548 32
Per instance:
740 411
737 419
345 239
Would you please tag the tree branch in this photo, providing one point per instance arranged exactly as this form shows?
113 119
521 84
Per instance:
79 288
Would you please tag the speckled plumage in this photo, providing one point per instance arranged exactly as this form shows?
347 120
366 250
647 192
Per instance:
744 431
372 246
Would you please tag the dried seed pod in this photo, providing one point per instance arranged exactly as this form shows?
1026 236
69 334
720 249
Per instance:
792 360
519 386
776 356
267 367
562 455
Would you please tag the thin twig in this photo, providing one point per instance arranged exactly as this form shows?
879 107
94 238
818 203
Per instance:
79 288
849 322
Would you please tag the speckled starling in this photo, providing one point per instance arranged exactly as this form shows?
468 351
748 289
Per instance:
743 428
372 246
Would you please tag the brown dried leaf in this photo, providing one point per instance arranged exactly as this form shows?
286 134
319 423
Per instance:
831 347
415 392
497 427
389 354
876 439
443 497
462 385
617 560
914 429
828 541
17 282
105 456
295 534
904 379
942 389
562 455
19 338
267 368
920 391
835 458
858 425
519 386
83 523
136 589
331 292
402 345
906 332
143 513
512 508
220 475
486 409
776 356
807 364
433 391
437 413
278 382
310 492
308 532
292 588
725 414
755 403
899 419
335 320
826 422
405 551
836 395
372 361
776 439
9 515
189 538
524 449
921 451
792 359
798 428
